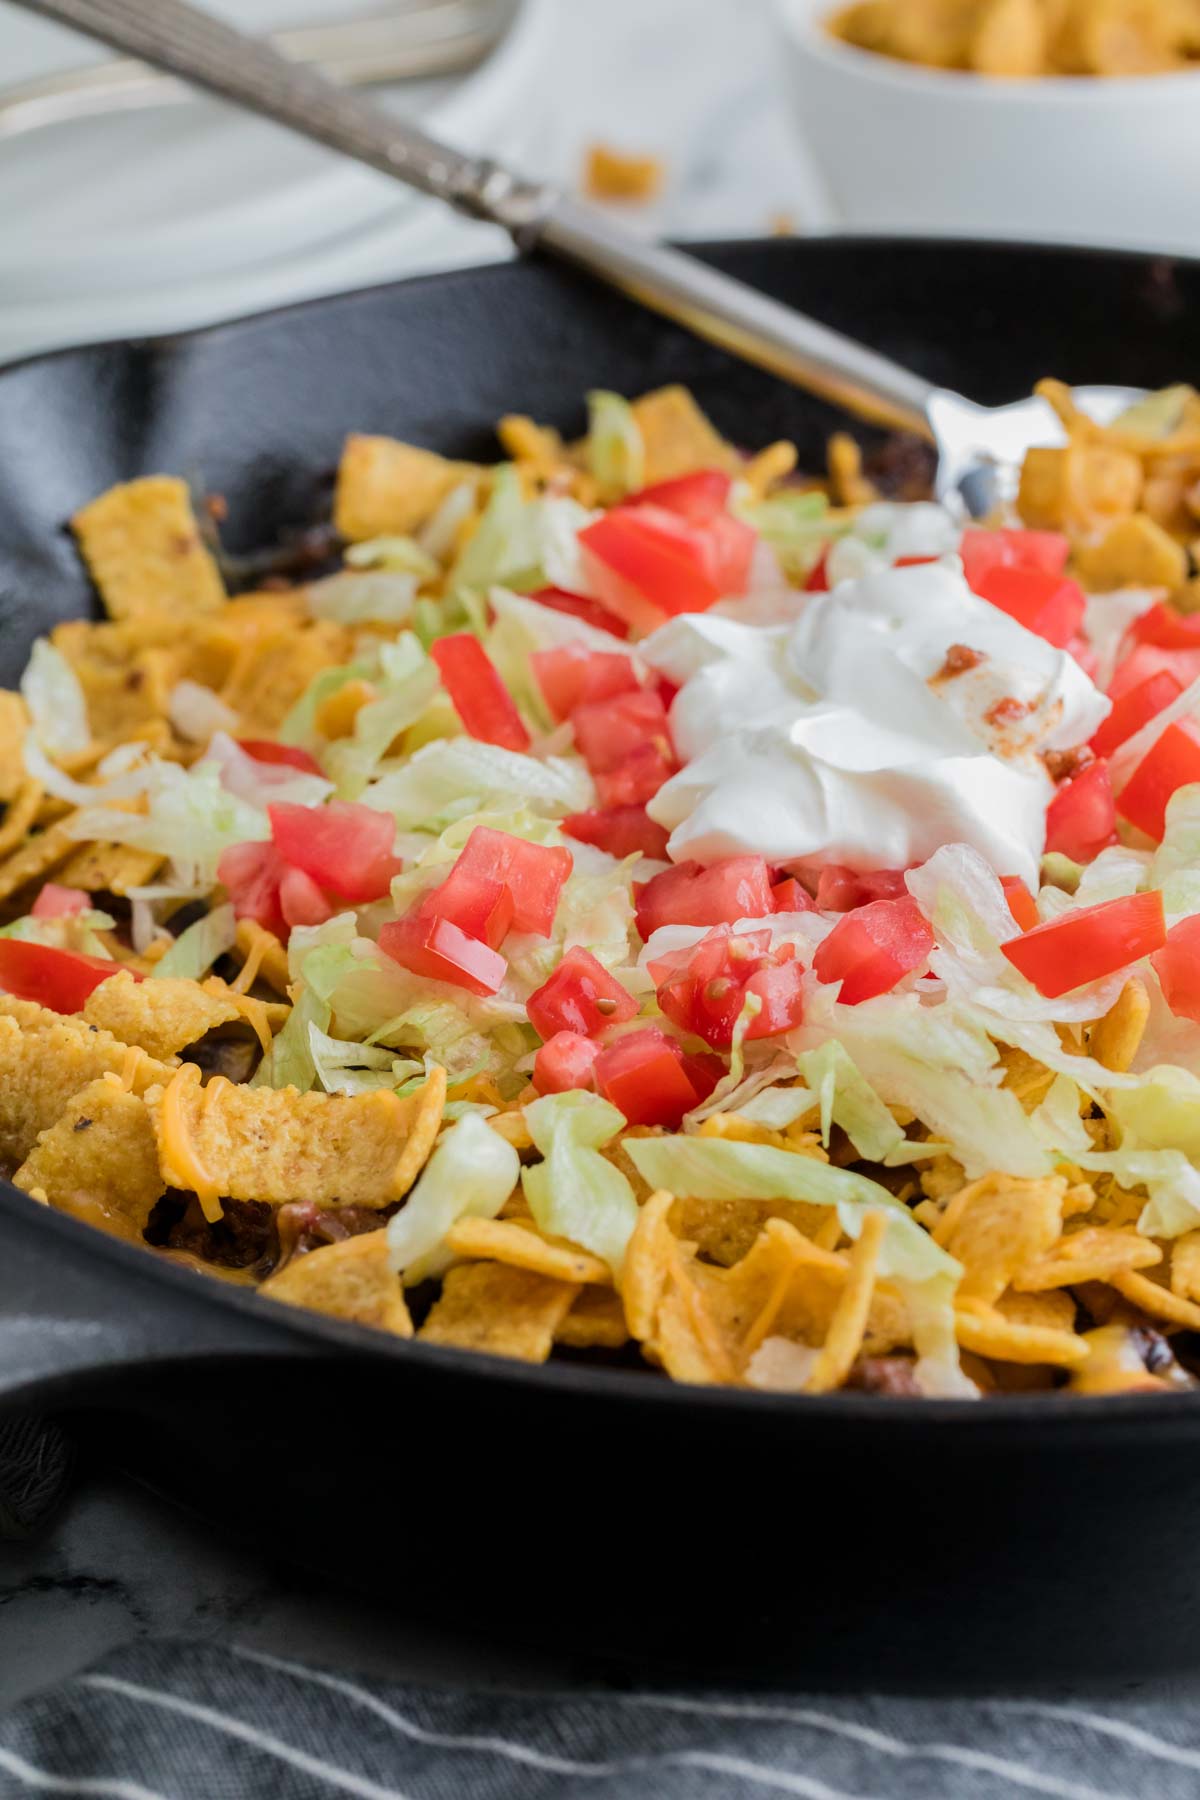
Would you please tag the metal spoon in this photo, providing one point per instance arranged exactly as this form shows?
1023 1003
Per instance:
979 448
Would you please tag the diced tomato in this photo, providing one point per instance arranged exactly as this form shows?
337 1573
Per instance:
1177 966
533 873
1134 709
345 847
1021 903
477 904
580 996
251 875
437 948
621 830
479 697
789 896
695 497
608 731
644 1076
703 1070
870 949
1167 629
840 889
564 1062
637 779
651 553
1089 943
674 564
1147 660
59 979
572 676
738 887
300 899
1081 820
55 902
983 550
913 562
818 575
266 750
1172 761
1050 605
578 606
703 990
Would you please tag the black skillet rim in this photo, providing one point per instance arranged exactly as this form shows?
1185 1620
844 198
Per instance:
1068 1416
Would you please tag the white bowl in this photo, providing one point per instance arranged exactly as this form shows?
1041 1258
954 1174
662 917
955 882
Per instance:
898 147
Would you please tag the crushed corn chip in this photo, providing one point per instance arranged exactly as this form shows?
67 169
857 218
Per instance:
389 489
596 1321
224 1141
142 544
502 1241
987 1332
998 1225
498 1309
98 1161
678 439
44 1060
1094 1253
163 1016
349 1280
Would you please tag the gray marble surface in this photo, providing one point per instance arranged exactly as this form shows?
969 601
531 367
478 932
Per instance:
119 1563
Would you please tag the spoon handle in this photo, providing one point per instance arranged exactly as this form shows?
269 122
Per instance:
202 49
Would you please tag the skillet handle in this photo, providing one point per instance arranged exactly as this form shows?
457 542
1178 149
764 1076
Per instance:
78 1311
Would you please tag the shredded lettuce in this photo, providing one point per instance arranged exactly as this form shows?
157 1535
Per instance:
616 452
196 950
289 1062
722 1169
1176 864
447 780
574 1192
848 1100
471 1173
347 1068
57 707
796 526
299 726
131 779
522 544
777 1107
260 783
439 534
196 712
396 555
69 931
191 817
365 597
940 1063
408 681
501 547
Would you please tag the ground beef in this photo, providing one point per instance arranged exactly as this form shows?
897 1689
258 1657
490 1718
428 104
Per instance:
304 1226
894 1376
244 1238
902 467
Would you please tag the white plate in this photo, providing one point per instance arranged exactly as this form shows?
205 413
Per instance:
161 220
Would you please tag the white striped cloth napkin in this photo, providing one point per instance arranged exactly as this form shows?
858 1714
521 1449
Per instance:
189 1721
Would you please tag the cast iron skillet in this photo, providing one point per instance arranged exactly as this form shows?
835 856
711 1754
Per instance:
602 1509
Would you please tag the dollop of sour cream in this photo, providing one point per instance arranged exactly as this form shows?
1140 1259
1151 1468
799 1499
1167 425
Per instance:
898 713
